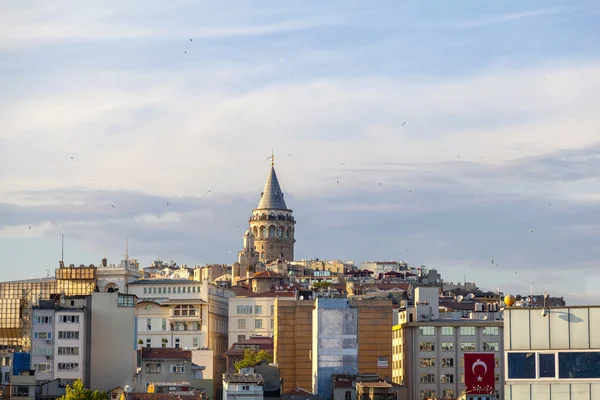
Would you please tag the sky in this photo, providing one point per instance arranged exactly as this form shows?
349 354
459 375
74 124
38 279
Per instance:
460 133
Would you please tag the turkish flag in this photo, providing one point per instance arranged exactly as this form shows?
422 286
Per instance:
479 373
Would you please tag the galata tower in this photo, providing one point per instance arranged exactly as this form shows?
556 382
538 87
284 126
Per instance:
271 233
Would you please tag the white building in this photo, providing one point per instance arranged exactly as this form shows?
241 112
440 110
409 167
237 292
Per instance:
552 353
243 387
429 346
254 315
74 338
114 278
58 340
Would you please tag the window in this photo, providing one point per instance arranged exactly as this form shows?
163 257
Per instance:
178 368
578 365
521 365
497 378
126 300
257 309
68 334
258 324
348 395
184 310
42 319
427 346
148 324
245 387
447 378
148 342
244 309
42 367
447 394
490 331
145 290
69 319
497 362
272 324
241 324
447 331
163 324
40 351
467 331
427 378
163 342
547 365
68 351
427 394
487 346
272 310
462 378
179 289
447 346
153 368
195 341
467 346
169 288
42 335
177 343
241 338
427 362
153 290
68 366
20 391
447 362
427 330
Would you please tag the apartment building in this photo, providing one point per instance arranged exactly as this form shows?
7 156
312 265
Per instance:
429 346
552 353
254 314
183 313
243 387
59 339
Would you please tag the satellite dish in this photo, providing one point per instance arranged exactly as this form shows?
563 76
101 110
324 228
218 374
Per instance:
459 298
301 297
534 300
127 388
470 296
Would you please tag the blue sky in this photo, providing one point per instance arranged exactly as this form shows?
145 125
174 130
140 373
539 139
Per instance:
501 133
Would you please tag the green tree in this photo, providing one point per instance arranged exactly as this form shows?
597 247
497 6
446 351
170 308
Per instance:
79 392
251 358
321 285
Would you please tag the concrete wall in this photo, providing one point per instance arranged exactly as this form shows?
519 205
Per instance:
334 343
555 330
266 316
113 347
375 337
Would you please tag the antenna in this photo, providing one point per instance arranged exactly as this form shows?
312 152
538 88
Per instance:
272 158
127 247
62 248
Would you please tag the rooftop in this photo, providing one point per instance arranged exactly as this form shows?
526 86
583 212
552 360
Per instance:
273 293
145 281
374 384
243 378
165 353
272 197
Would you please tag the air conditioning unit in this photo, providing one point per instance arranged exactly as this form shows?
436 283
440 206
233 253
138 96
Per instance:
48 357
48 341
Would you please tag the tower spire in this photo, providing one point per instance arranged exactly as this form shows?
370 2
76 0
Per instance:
272 158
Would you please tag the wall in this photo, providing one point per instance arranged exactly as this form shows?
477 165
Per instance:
293 342
562 329
375 337
234 391
334 343
112 362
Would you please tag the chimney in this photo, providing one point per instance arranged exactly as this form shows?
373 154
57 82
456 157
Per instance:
104 262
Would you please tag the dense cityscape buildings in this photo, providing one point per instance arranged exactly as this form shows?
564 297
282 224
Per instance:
380 330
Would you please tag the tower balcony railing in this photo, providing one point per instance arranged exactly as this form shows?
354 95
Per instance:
265 217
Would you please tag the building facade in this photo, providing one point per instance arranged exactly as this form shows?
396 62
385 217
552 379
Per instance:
243 387
429 347
552 353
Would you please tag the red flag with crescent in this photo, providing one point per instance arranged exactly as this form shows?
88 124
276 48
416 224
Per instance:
479 373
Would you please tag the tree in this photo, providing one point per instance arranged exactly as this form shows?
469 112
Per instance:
251 358
79 392
321 285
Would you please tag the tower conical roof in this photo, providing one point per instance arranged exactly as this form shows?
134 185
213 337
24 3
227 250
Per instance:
272 196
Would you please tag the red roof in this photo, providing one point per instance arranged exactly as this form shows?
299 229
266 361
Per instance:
165 353
267 274
241 291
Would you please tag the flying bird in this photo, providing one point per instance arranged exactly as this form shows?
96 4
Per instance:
512 174
29 226
167 203
549 205
71 158
452 114
208 191
379 183
403 123
337 181
191 40
530 230
113 206
185 52
343 163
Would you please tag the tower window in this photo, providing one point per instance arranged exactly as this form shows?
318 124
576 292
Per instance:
272 231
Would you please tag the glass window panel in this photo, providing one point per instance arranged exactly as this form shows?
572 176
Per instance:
521 365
